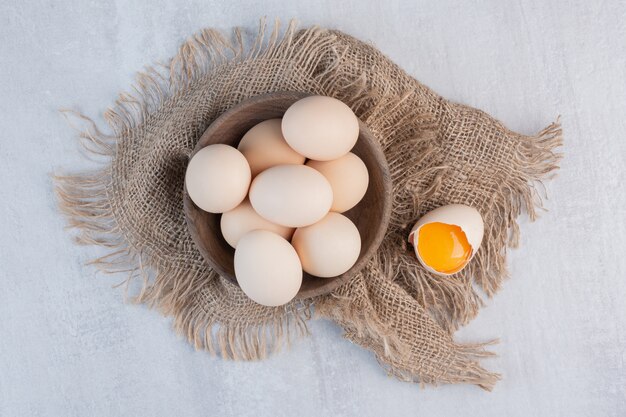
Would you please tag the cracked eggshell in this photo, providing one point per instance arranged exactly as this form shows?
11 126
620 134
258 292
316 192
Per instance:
466 217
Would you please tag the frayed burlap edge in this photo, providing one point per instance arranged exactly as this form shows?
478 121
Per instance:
84 200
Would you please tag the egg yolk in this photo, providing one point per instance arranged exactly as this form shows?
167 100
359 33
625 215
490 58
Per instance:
443 247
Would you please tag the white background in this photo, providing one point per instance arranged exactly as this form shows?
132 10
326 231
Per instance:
70 346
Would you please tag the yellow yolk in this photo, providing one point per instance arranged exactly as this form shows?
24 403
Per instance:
443 247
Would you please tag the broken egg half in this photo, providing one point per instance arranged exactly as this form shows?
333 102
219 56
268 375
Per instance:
447 238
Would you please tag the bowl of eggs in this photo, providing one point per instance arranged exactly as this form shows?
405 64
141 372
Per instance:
287 195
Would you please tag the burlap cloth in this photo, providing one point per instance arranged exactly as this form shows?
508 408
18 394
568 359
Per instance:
438 152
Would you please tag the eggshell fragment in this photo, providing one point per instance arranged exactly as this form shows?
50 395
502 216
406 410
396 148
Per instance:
291 195
320 128
348 177
243 219
264 147
267 268
217 178
467 218
329 247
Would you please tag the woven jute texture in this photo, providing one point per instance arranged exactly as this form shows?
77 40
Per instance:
439 153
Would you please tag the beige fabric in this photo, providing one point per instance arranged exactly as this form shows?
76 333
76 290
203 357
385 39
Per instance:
439 153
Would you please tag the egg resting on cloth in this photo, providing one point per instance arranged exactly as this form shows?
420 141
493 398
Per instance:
438 152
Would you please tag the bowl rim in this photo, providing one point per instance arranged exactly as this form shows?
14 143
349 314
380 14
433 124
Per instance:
333 282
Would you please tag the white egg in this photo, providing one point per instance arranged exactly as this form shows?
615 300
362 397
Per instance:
348 177
329 247
243 219
217 178
291 195
447 238
264 147
320 128
267 268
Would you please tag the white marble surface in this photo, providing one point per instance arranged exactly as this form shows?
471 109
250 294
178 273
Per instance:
69 346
